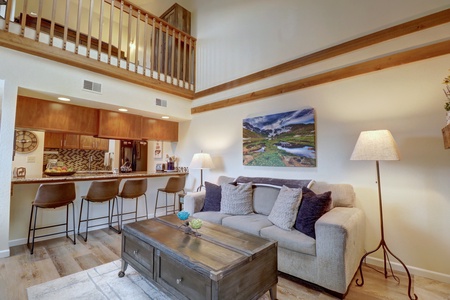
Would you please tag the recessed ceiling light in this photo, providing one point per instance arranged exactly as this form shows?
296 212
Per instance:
165 117
63 99
123 109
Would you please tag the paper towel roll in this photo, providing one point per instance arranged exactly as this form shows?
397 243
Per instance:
106 161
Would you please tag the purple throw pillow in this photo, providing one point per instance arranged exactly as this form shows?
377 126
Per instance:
213 197
312 207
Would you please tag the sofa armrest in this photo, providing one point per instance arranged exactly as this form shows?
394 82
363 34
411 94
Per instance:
193 202
340 238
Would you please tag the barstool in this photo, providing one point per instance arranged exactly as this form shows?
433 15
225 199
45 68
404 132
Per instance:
174 185
133 189
53 195
100 191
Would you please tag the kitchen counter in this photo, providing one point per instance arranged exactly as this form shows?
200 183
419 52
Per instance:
82 176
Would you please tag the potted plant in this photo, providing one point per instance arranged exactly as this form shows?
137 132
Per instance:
447 94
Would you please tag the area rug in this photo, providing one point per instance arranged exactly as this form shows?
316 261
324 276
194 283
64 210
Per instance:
101 282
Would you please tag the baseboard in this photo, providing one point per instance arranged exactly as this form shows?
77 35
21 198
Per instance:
413 270
4 253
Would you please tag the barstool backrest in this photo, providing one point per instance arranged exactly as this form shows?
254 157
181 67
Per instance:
102 190
134 188
175 184
52 195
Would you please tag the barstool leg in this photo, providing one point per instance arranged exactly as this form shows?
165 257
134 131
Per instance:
29 226
136 210
67 220
73 222
156 203
79 219
34 230
146 207
166 204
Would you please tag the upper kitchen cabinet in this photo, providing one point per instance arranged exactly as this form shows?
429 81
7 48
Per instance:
159 130
88 142
179 17
37 114
120 126
61 140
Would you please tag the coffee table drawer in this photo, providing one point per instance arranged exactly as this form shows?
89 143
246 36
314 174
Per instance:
187 282
140 252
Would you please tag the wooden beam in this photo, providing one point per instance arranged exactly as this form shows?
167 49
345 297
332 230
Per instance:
15 42
416 25
376 64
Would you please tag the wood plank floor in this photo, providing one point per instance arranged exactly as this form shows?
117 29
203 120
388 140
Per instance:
59 257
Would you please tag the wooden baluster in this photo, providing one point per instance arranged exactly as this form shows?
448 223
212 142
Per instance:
88 46
52 24
166 54
193 66
130 14
120 33
24 17
100 31
189 64
136 42
184 62
144 63
179 58
77 38
38 23
152 57
160 50
9 6
66 24
172 59
111 23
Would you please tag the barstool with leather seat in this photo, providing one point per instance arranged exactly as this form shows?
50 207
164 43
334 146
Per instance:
52 195
99 192
174 185
133 189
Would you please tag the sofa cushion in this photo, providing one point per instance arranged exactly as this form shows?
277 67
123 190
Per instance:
343 194
292 240
285 209
264 198
210 216
236 199
213 196
252 223
312 207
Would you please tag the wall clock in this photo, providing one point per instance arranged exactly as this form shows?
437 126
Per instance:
26 141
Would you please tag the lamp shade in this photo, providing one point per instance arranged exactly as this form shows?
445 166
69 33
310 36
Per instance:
201 161
375 145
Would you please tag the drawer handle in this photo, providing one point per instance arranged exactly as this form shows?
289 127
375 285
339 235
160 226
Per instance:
179 280
135 252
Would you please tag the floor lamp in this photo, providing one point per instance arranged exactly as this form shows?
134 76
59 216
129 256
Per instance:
201 161
379 145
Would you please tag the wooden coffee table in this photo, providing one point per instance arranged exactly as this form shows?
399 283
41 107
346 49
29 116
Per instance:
220 264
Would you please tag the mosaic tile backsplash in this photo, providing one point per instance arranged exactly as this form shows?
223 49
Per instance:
78 158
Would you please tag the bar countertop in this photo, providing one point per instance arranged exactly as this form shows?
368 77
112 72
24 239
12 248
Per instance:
88 176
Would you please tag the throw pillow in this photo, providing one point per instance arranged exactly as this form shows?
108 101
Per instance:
236 199
213 197
312 207
285 209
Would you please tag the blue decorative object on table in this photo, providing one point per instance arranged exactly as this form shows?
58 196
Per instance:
183 215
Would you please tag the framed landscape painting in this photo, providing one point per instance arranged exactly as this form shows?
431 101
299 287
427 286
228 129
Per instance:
285 139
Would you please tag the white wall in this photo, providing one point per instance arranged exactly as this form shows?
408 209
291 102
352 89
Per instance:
238 37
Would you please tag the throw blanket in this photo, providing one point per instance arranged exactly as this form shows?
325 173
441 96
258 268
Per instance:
275 182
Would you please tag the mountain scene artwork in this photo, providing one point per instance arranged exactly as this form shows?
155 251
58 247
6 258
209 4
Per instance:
280 140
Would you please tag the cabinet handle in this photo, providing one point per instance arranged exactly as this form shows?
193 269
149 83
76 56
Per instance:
179 280
135 252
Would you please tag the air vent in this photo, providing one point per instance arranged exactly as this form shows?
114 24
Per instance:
160 102
92 86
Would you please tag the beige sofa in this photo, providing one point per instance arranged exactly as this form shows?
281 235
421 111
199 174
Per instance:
330 261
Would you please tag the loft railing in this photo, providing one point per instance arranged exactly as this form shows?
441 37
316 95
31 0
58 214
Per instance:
110 31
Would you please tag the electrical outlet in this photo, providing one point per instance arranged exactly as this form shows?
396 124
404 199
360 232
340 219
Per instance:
31 159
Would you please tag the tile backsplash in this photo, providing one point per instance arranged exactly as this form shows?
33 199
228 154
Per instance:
78 158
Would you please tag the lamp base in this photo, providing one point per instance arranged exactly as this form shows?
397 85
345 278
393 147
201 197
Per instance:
382 245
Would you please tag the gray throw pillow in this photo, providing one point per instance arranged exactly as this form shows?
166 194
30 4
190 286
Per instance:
236 199
284 211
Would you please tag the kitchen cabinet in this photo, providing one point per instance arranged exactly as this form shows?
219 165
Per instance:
88 142
61 140
38 114
120 126
159 130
